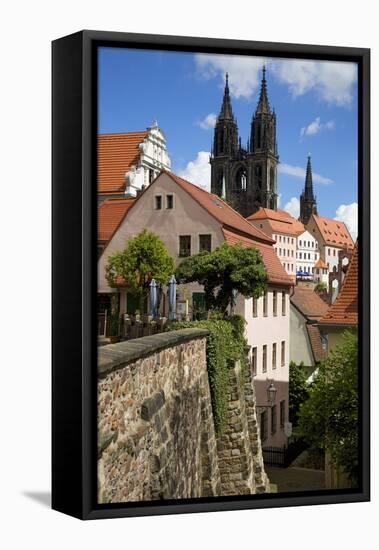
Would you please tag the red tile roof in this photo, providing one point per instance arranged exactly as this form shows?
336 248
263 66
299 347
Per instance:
275 271
321 264
315 340
116 154
279 220
334 232
110 214
344 311
220 210
308 302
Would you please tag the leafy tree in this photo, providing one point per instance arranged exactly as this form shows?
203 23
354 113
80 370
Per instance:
144 258
298 390
320 287
226 269
329 418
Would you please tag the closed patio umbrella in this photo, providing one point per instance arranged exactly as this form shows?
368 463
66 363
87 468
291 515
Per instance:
153 298
172 298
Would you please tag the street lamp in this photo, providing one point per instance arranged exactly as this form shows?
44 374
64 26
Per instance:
271 394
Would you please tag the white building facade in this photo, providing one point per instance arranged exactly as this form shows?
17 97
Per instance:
307 253
153 158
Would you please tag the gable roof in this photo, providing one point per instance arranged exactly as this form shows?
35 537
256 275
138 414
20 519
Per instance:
279 220
344 311
109 216
308 302
220 210
334 232
116 154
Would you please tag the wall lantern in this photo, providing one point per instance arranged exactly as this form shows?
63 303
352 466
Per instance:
271 394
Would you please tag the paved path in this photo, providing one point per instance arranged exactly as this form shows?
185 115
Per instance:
296 479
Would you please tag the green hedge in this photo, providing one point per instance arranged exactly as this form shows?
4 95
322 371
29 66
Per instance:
225 344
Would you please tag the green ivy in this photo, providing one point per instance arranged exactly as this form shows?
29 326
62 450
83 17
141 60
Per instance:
225 345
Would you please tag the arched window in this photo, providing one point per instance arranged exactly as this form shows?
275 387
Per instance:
240 179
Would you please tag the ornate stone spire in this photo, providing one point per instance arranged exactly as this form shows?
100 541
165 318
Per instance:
226 112
308 204
263 103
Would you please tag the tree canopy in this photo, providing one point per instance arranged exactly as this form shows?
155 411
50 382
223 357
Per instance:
144 258
226 269
298 390
329 418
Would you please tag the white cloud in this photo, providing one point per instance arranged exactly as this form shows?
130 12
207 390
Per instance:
299 172
332 81
317 126
208 122
198 171
348 213
244 71
293 207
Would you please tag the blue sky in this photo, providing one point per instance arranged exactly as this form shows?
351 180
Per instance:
315 102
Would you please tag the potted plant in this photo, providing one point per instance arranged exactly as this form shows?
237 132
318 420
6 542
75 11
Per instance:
114 325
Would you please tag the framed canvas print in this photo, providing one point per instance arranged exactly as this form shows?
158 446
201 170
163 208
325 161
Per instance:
210 274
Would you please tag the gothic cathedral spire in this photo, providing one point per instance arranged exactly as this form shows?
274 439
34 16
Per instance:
249 174
308 204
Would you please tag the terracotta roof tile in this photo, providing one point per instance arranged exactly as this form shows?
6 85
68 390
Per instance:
344 311
275 271
279 220
110 214
116 154
308 302
334 232
321 264
315 340
220 210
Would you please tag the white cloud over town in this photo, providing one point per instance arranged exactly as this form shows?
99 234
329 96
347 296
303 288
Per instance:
198 171
333 82
299 172
293 207
316 126
348 213
208 122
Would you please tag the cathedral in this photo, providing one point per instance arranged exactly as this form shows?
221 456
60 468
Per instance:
246 177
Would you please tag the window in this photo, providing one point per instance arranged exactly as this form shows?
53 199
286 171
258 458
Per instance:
280 251
151 175
205 243
273 419
300 256
169 202
283 303
299 243
275 303
334 251
264 358
265 300
316 246
280 238
282 413
255 307
309 244
158 202
292 253
313 244
184 246
283 353
329 251
263 425
254 361
274 356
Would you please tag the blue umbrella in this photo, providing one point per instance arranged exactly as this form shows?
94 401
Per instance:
153 298
172 298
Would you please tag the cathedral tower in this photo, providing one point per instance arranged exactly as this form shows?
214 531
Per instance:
308 204
263 153
247 176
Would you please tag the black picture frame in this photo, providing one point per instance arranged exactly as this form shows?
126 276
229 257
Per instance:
74 448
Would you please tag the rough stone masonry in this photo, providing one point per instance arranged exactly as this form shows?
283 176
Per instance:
156 437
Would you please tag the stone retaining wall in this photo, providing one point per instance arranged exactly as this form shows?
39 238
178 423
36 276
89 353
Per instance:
156 437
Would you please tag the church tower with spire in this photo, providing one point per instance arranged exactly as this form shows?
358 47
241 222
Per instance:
246 175
263 153
308 204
